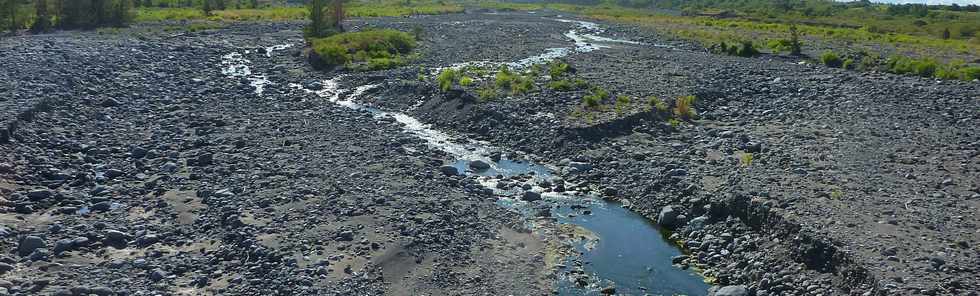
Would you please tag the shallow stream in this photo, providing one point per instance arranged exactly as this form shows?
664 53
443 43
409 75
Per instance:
627 251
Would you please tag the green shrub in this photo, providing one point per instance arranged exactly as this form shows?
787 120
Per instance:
561 85
848 64
379 49
742 49
622 102
422 74
517 83
780 45
746 159
868 62
521 84
658 104
970 73
332 54
595 97
504 77
465 81
557 68
830 59
957 70
487 93
447 78
906 65
385 63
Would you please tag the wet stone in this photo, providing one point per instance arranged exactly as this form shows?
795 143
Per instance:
29 244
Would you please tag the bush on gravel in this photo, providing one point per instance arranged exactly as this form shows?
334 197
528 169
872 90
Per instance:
486 93
656 103
447 78
465 81
622 102
930 68
371 49
831 59
742 49
595 97
684 108
517 83
557 69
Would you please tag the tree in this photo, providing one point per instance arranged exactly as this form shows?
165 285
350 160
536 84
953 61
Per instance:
795 46
42 22
338 15
98 10
317 28
207 7
121 13
253 4
10 9
326 18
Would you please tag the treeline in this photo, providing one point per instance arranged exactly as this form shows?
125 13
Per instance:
212 4
45 15
804 7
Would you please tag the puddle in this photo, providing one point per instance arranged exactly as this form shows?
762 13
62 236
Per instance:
629 252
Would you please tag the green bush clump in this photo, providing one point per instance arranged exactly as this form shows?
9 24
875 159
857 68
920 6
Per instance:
742 49
504 77
780 45
957 70
970 73
447 78
378 49
558 68
831 59
906 65
848 64
486 93
517 83
521 84
561 85
465 81
622 102
658 104
595 97
382 63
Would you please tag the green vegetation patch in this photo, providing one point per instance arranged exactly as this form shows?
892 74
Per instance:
930 68
364 50
831 59
741 49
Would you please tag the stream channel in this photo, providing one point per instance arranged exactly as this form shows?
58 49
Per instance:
624 249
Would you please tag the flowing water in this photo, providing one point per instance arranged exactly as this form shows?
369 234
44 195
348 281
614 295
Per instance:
627 252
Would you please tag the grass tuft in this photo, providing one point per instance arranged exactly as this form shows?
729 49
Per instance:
684 108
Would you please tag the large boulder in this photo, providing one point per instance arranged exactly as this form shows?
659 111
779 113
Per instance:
732 291
30 243
479 165
448 170
531 196
667 217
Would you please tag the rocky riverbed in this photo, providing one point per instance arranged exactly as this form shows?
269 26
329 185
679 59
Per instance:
149 162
